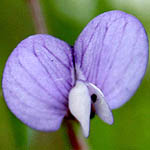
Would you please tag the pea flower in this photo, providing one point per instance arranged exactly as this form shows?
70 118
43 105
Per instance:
45 79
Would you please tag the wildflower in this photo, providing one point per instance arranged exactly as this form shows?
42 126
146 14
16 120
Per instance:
45 79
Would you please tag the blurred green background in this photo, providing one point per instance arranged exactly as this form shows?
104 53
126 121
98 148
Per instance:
65 19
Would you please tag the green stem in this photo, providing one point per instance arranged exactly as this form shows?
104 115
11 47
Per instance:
38 18
72 136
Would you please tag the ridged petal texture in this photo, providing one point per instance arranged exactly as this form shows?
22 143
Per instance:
37 80
112 53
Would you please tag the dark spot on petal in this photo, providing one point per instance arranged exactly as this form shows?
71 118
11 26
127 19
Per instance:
92 115
94 98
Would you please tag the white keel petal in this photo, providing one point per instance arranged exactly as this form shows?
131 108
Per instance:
101 107
80 105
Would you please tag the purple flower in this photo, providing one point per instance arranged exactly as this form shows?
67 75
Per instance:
46 80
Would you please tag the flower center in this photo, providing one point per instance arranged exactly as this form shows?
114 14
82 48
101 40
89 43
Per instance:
85 99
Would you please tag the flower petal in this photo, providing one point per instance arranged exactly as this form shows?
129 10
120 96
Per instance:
80 105
101 107
37 80
112 53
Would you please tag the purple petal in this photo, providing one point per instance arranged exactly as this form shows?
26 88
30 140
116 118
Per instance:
36 81
112 53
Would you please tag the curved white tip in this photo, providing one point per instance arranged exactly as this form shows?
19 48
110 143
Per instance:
80 105
101 106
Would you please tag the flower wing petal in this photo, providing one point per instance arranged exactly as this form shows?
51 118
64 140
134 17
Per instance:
37 80
101 107
112 53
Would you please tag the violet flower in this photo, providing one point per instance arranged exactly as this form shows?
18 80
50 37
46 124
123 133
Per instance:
45 79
